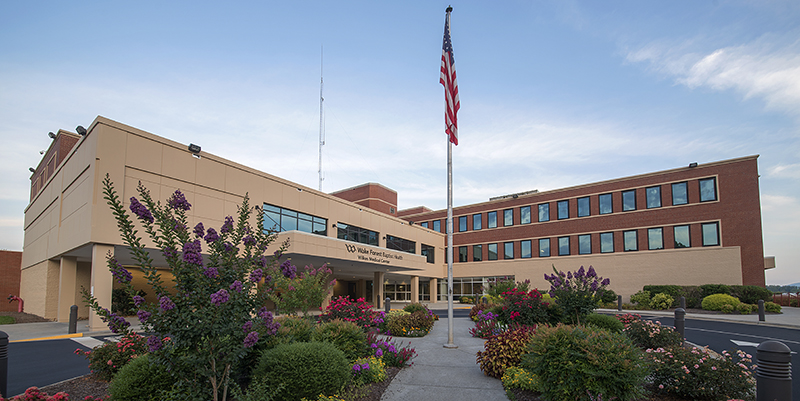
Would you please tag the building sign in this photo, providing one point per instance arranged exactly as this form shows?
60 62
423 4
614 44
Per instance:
372 255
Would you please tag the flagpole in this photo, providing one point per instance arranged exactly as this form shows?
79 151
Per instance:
450 343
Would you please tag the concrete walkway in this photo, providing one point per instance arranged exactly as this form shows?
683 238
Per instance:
445 374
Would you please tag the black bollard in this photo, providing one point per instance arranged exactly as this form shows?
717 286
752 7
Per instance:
683 303
774 372
388 305
761 317
680 323
619 303
73 319
4 364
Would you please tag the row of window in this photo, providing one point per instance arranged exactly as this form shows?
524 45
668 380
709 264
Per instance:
653 199
279 219
350 232
655 240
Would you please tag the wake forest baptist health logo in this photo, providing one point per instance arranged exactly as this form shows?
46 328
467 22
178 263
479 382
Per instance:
371 255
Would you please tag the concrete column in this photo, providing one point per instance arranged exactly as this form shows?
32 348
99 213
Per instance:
67 287
102 282
415 289
377 289
434 289
361 289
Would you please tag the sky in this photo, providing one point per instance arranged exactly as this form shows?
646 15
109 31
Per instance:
553 93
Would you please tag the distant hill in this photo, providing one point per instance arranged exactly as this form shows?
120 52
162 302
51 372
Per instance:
784 288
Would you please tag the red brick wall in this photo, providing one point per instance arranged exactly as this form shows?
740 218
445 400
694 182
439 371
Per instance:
10 265
373 196
737 210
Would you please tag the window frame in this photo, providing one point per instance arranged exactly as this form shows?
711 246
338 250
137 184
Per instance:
546 208
489 251
624 207
685 193
581 243
522 249
491 219
558 209
464 254
477 221
462 224
428 251
718 239
610 203
437 225
651 232
588 210
544 241
714 183
647 197
508 214
611 234
396 243
522 215
625 240
479 253
506 255
561 241
675 236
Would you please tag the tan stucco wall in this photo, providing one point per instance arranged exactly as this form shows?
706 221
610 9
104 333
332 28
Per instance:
39 289
628 271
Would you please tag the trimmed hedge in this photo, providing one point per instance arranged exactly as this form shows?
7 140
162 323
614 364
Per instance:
749 294
719 301
305 369
140 379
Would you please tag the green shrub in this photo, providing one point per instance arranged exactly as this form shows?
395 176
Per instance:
570 361
794 302
727 309
693 296
745 309
415 324
416 306
347 336
295 329
369 370
675 291
641 298
694 374
304 369
661 301
503 351
141 379
466 300
608 296
711 289
516 377
107 359
751 294
647 334
716 301
772 307
481 307
607 322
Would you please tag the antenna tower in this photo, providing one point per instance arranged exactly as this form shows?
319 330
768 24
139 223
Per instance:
321 120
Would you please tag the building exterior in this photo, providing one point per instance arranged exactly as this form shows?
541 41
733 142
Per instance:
694 225
10 262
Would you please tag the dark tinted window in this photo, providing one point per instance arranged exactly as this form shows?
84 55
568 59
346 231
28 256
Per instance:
679 194
628 200
583 206
606 206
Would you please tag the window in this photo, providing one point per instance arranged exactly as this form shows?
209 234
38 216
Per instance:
682 237
437 226
508 250
583 207
462 254
491 220
400 244
424 224
281 219
462 223
476 221
563 209
508 217
477 253
544 212
653 195
585 244
428 252
708 190
544 247
563 246
607 242
630 240
655 238
525 249
356 234
525 215
492 251
679 194
606 206
710 234
628 200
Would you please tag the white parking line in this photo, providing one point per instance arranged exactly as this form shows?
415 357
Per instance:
88 341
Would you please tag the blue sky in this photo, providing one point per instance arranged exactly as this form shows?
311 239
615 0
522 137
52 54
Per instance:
553 94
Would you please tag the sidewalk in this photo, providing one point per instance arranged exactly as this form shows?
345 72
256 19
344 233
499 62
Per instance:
790 318
445 374
55 330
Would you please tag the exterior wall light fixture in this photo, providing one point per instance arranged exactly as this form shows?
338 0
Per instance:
80 130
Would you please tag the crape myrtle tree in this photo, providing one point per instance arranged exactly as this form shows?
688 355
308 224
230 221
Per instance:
576 293
207 321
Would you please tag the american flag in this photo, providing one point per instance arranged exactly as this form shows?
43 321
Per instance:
448 79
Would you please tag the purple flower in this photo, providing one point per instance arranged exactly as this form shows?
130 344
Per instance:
236 286
251 339
249 240
211 236
143 315
593 286
247 326
227 226
379 352
211 272
230 248
121 274
288 269
591 273
357 367
191 253
166 303
605 282
138 300
220 297
177 225
154 343
199 230
256 275
168 252
178 202
141 211
262 261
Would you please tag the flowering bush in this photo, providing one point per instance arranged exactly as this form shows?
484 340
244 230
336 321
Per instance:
576 293
215 313
359 312
481 307
648 334
368 370
523 307
416 324
107 359
517 377
34 394
487 325
502 284
395 355
504 350
300 291
694 374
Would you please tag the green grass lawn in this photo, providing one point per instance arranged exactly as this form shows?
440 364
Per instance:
7 320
